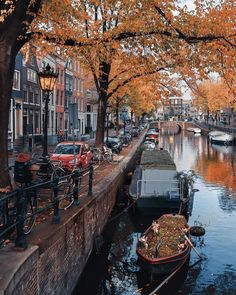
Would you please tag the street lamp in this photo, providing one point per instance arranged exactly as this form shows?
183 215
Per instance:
47 80
124 117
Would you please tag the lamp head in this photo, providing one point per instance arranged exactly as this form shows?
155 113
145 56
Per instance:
47 78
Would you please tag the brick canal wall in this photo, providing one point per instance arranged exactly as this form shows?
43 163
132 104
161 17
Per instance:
60 252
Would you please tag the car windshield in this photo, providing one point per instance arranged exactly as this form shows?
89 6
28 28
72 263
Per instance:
113 139
67 149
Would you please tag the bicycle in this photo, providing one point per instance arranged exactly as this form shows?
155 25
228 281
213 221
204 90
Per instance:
103 154
23 180
107 154
52 171
24 197
66 187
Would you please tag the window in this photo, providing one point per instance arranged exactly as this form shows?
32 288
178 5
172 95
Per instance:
61 102
31 76
52 121
88 108
36 96
88 94
67 83
16 80
32 60
25 94
62 76
70 84
57 98
61 118
31 95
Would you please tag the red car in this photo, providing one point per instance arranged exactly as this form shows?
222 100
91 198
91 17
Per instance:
64 152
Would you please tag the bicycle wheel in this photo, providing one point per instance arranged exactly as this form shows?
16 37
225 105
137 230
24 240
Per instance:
65 188
31 206
66 195
108 157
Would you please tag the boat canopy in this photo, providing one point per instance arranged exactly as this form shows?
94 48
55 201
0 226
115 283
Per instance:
157 159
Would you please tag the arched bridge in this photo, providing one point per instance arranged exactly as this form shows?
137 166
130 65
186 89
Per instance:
176 126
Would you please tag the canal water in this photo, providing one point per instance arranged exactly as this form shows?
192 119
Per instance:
114 270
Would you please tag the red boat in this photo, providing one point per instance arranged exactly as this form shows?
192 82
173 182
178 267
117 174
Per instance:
164 246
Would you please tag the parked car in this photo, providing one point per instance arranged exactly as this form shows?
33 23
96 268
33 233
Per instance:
125 139
65 151
135 131
155 129
114 143
149 145
152 134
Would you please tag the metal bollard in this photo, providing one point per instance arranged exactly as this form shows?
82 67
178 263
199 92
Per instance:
20 242
56 215
76 178
90 190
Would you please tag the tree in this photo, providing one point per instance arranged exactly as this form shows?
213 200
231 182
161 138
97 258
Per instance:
159 36
15 18
143 37
213 96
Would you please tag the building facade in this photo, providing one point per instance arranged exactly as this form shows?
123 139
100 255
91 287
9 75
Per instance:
74 87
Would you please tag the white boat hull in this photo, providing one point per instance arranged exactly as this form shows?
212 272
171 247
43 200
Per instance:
220 137
195 130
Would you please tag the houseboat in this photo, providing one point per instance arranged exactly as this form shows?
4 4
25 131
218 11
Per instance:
156 184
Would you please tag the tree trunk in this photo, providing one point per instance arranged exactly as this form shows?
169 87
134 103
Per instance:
104 71
131 118
100 132
117 117
7 63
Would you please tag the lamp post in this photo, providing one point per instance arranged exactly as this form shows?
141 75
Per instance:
124 115
47 80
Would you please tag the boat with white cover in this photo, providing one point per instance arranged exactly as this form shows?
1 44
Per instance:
220 137
194 129
156 184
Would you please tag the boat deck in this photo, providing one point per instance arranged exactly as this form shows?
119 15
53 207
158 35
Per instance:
158 159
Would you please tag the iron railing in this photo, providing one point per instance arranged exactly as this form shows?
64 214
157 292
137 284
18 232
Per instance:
17 207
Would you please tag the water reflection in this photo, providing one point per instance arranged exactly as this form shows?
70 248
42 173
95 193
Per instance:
214 207
227 201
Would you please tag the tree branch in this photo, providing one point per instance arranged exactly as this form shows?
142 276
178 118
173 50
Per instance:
192 39
116 76
125 82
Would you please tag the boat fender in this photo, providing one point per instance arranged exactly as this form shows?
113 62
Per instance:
197 231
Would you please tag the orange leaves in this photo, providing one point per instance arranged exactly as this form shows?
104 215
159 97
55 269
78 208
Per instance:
214 95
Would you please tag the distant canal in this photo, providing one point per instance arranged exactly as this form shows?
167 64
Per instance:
115 269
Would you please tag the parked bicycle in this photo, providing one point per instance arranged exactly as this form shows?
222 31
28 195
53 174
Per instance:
52 171
103 154
24 197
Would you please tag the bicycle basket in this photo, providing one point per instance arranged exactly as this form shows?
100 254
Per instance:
22 173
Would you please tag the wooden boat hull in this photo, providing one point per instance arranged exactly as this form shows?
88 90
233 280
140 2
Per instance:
164 266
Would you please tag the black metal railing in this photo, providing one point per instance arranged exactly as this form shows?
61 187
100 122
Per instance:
18 209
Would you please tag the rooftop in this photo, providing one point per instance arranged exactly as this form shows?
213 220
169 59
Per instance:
159 159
